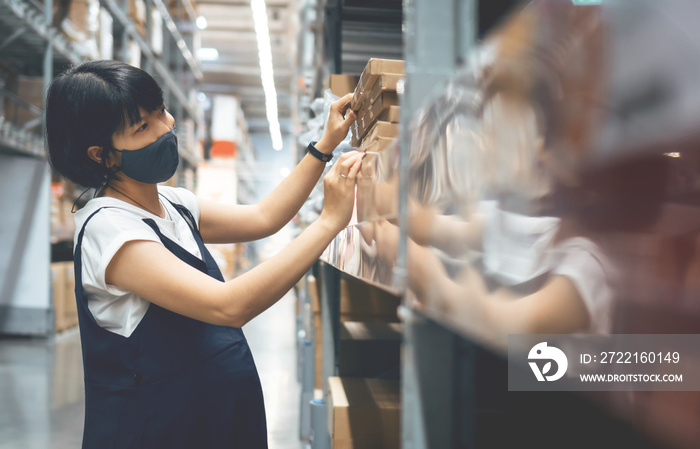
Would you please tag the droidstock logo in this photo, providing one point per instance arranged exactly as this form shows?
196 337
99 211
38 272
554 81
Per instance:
543 352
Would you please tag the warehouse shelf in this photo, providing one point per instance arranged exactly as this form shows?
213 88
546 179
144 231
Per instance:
31 18
160 69
179 40
33 52
14 140
20 139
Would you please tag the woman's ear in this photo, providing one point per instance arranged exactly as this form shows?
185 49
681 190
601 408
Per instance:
95 153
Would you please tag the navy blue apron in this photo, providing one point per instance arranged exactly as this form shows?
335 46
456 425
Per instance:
176 382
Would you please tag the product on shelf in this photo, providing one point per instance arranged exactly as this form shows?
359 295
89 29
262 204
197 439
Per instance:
360 301
376 100
364 413
312 285
378 130
137 14
341 85
379 112
370 75
369 349
30 90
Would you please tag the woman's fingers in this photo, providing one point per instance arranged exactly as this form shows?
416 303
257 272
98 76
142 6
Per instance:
345 161
349 118
342 104
356 166
346 166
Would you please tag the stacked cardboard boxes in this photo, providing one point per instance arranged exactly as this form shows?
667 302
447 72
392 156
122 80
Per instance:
376 103
364 413
370 332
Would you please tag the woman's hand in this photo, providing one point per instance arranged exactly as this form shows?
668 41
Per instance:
339 120
339 190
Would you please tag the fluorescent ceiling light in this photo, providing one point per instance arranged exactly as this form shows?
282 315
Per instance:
208 54
285 171
201 22
262 33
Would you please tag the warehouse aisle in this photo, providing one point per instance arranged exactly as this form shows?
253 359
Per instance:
271 337
41 384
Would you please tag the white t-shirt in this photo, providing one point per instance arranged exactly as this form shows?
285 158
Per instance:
520 248
114 309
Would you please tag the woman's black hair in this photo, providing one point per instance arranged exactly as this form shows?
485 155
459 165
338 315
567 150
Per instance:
86 106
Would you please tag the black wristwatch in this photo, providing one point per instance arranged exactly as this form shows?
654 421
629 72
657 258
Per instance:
323 157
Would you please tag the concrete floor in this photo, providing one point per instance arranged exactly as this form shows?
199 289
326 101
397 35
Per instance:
41 384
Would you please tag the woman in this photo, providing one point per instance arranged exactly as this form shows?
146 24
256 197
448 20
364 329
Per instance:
166 363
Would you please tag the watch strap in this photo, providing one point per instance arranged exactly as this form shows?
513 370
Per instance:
323 157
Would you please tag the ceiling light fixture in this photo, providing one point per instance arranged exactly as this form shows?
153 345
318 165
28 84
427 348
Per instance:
208 54
262 33
201 22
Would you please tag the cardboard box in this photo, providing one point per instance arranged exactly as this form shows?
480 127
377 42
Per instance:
341 85
137 13
318 351
370 114
371 72
378 129
384 83
375 146
58 292
312 286
29 89
313 292
63 295
360 301
391 114
360 126
71 310
380 104
364 413
369 349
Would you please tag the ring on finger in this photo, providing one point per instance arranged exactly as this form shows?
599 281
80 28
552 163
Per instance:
342 175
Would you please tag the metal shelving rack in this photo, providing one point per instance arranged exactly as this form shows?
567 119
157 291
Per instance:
427 393
453 387
31 46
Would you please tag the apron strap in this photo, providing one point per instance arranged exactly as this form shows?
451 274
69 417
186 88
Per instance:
212 267
189 218
176 249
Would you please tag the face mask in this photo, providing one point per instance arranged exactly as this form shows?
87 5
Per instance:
153 163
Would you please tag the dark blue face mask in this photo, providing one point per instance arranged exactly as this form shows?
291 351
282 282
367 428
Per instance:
153 163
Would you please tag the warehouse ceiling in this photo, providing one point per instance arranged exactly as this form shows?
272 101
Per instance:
230 29
352 32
